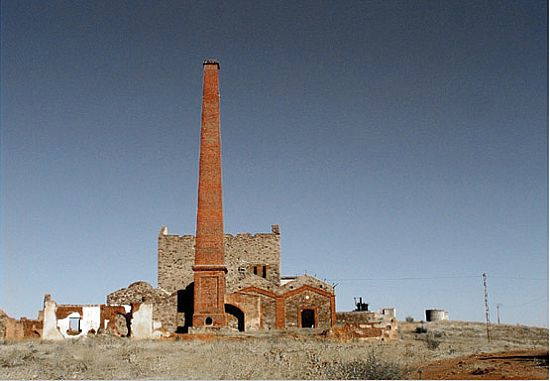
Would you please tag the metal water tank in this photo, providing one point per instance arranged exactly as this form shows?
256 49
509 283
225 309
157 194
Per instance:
436 315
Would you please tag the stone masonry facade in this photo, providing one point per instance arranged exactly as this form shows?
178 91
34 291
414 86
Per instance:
243 253
255 297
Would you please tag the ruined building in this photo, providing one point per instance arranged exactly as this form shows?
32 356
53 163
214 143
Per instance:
211 281
214 280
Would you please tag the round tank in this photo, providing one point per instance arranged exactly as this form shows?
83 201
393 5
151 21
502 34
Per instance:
436 315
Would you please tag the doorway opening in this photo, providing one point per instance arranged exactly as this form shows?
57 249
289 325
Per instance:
185 306
308 318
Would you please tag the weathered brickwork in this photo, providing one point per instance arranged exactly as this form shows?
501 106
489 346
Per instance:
209 270
19 329
282 306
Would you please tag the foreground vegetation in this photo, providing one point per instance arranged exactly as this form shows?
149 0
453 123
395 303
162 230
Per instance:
275 356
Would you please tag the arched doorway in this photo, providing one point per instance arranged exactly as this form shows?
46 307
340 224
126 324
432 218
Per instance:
238 314
308 318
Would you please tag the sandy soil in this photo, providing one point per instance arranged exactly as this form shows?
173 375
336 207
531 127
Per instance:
286 356
516 365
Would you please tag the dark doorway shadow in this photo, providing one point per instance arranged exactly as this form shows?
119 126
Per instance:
308 318
232 310
185 305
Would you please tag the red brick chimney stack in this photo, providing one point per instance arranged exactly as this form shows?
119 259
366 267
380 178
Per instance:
209 269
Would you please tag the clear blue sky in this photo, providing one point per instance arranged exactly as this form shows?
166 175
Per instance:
389 139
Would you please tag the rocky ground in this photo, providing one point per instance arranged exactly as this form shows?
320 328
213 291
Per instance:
445 350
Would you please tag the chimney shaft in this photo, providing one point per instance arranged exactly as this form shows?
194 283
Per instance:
209 266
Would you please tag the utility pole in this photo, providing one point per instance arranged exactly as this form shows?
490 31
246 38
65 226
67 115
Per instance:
498 312
486 298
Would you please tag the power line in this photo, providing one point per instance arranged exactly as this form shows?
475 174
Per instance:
524 304
428 278
404 278
516 277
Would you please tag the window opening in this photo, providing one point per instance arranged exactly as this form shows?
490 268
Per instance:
74 324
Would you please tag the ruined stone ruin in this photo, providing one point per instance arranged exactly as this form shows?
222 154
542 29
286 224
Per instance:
210 282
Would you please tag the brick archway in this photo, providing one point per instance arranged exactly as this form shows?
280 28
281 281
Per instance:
249 305
237 313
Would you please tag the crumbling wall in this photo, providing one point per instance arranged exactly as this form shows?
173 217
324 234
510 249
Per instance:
243 252
50 330
89 318
164 304
136 320
142 321
115 319
3 322
355 317
365 325
19 329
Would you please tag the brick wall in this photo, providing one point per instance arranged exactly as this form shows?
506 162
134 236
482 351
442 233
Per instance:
22 329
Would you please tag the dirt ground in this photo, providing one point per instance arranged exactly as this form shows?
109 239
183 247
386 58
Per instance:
530 365
447 350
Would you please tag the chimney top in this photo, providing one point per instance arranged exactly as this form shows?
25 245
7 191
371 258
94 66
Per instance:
211 62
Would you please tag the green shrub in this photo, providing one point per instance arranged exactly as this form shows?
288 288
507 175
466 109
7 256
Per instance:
409 319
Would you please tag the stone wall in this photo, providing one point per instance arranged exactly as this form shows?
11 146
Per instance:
175 261
308 300
364 326
268 309
243 253
164 303
355 317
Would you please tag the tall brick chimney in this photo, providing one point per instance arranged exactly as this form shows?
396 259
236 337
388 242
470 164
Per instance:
209 269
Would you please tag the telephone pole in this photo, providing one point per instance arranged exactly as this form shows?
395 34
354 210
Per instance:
486 298
498 312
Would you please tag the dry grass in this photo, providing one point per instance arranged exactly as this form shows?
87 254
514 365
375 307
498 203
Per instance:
259 356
